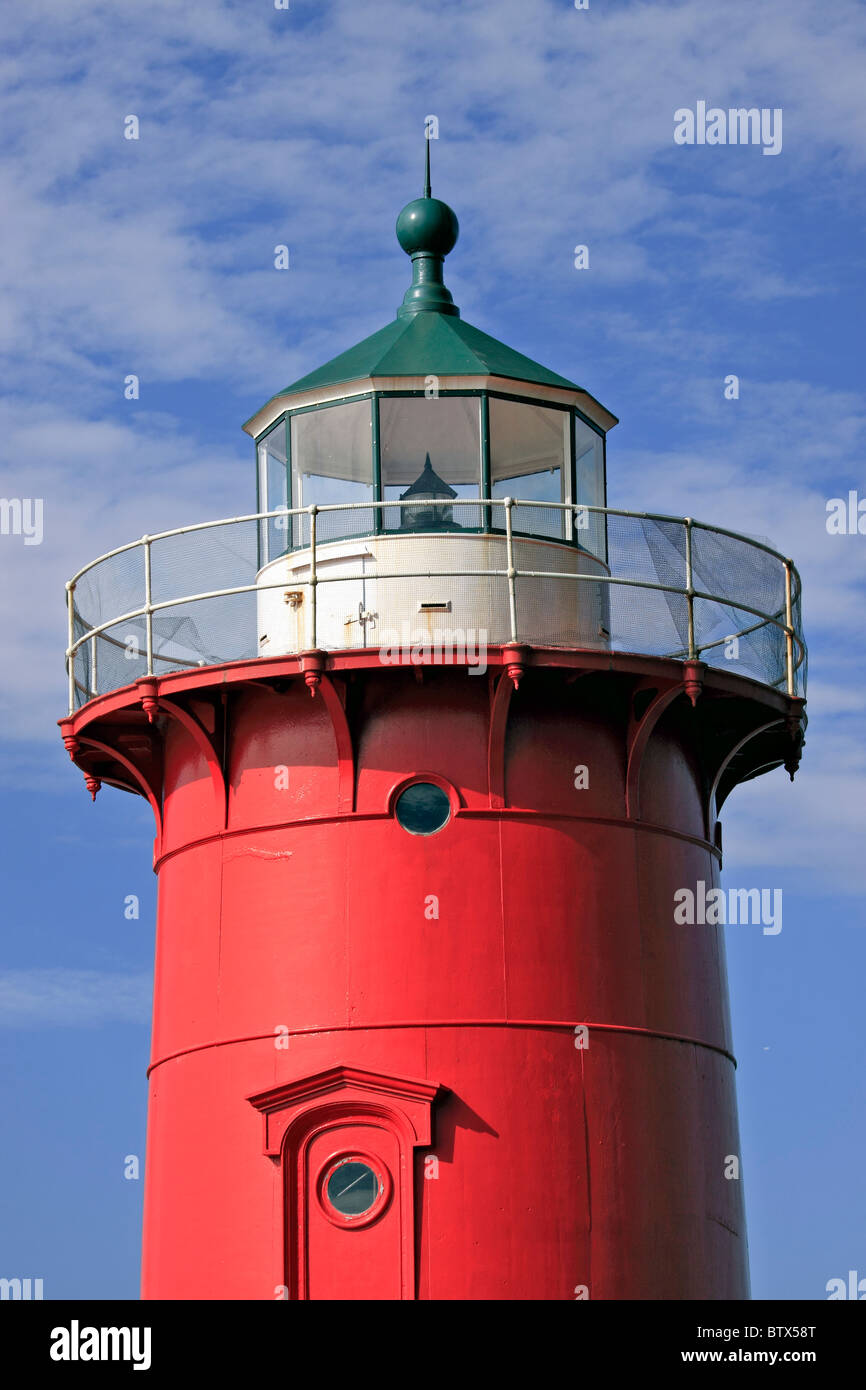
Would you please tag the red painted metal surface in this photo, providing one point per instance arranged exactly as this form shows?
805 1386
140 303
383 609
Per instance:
503 1016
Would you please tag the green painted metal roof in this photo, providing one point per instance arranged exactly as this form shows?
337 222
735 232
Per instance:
428 337
429 344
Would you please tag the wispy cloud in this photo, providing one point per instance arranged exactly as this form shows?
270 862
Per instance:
73 998
159 249
155 257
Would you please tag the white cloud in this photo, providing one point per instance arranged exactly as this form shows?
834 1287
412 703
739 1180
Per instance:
259 127
159 249
73 998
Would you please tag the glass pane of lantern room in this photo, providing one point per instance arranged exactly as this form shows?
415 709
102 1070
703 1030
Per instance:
529 449
332 463
589 527
431 458
273 493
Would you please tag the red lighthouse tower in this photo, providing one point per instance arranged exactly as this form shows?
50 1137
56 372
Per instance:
435 744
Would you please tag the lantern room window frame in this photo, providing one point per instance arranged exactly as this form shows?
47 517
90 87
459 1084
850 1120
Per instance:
484 395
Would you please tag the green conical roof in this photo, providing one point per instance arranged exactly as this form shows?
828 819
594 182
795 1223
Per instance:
429 344
428 336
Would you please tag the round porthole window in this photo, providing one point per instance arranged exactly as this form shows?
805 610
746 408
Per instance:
423 808
353 1189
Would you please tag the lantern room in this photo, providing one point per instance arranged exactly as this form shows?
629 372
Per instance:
428 445
466 443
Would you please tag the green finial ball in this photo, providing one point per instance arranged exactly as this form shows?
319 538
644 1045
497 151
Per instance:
427 224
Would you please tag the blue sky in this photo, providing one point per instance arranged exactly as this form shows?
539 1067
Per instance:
155 257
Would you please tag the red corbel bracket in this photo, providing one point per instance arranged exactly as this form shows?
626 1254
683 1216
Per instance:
500 702
639 735
343 737
150 791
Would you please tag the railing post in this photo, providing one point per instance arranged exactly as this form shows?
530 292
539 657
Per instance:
148 596
70 655
789 628
94 665
313 510
512 573
690 589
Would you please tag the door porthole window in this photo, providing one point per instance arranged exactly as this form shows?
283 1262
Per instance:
353 1189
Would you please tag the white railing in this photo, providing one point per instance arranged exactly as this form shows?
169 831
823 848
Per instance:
634 538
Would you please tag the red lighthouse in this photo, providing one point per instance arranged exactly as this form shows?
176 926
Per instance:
436 745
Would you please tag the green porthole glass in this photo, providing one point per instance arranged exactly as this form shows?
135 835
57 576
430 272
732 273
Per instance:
352 1187
423 808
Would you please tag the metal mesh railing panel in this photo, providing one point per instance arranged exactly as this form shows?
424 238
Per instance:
670 588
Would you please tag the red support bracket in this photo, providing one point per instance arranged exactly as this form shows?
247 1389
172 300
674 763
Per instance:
638 737
499 706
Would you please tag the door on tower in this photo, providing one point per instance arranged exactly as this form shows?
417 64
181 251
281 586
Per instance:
352 1196
346 1142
